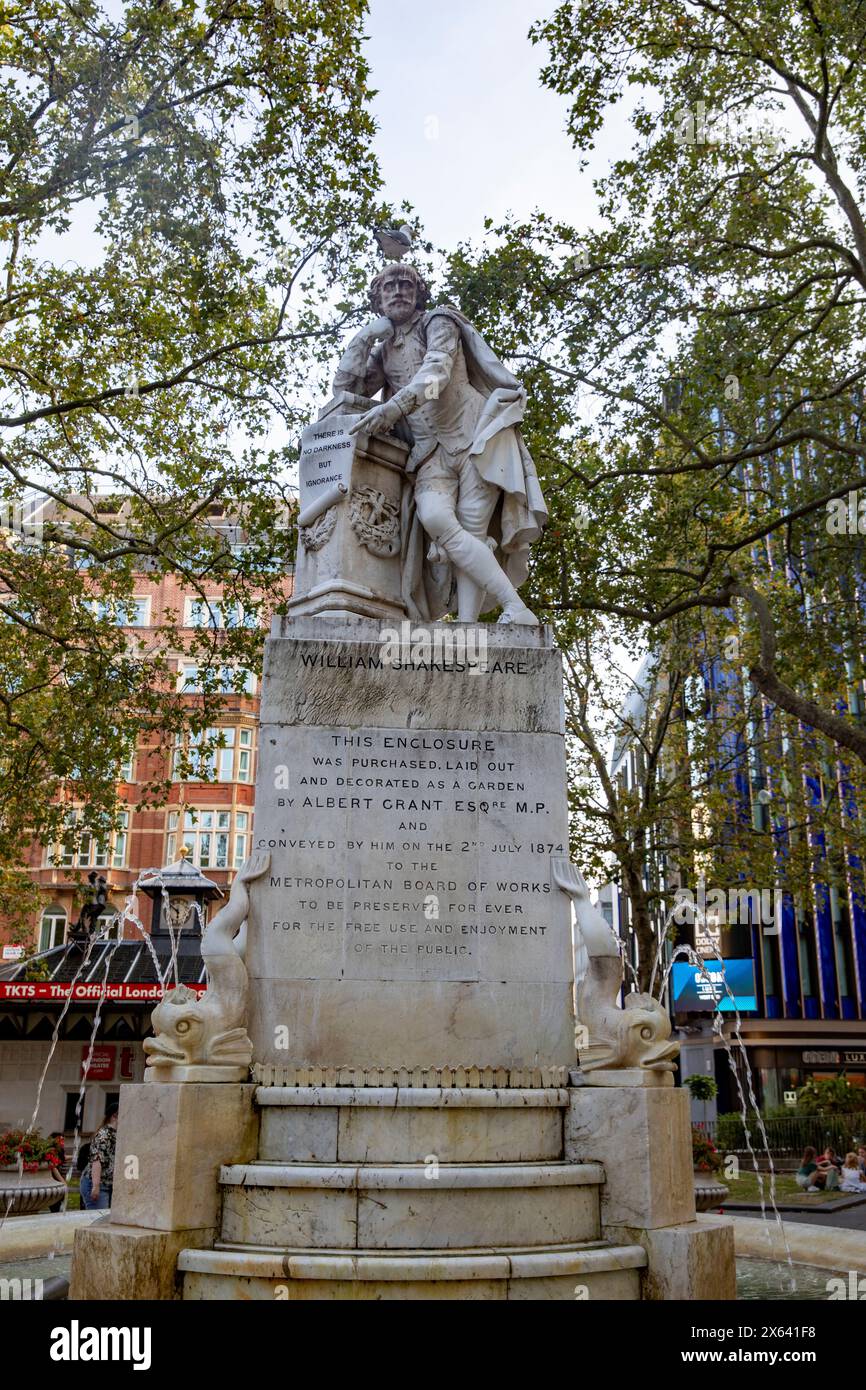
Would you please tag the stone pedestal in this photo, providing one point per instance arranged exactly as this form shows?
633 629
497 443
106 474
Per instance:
350 518
690 1262
642 1137
171 1142
408 931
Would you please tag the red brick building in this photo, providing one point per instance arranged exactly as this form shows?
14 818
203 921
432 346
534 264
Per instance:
212 817
211 814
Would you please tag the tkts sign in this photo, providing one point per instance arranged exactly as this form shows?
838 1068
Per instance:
42 989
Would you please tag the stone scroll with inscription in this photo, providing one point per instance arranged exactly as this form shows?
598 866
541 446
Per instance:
350 490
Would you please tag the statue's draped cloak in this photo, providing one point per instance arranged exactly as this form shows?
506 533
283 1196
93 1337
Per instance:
501 457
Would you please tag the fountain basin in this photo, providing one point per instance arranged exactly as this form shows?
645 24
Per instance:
25 1194
710 1193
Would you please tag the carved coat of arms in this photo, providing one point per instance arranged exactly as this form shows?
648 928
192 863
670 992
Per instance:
375 520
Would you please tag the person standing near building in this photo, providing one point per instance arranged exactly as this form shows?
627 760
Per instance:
98 1176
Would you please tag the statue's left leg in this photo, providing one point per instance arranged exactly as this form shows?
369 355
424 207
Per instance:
476 503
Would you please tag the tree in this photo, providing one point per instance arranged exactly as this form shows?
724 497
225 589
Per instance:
726 789
702 1088
615 825
831 1095
713 317
183 188
679 820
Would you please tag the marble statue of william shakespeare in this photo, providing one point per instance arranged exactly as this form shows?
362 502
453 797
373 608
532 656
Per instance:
476 495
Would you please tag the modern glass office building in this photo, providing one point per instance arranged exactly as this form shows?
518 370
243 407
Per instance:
794 961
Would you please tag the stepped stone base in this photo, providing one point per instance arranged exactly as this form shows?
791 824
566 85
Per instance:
411 1193
601 1271
363 1125
410 1206
415 1193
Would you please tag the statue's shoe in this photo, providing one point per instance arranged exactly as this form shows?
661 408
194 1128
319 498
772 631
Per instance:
518 613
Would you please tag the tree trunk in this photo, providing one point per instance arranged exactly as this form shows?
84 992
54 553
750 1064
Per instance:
641 922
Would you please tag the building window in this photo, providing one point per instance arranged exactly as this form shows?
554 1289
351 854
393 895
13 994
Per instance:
226 679
52 928
126 769
126 612
244 761
215 839
216 613
241 837
215 755
84 851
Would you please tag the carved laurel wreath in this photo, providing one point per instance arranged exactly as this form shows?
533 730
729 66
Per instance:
315 536
375 520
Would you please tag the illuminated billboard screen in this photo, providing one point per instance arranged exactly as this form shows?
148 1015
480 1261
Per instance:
694 992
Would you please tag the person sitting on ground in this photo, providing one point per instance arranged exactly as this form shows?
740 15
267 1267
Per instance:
829 1167
852 1180
807 1175
861 1160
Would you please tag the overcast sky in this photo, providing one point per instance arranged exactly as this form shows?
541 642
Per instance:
465 128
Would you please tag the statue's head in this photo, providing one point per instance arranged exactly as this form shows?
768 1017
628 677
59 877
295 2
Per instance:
397 291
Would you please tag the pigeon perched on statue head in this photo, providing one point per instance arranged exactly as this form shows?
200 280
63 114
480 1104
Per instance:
394 242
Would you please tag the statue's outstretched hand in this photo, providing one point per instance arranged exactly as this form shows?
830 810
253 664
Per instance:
377 420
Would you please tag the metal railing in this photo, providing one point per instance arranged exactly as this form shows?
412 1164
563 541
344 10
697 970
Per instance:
788 1136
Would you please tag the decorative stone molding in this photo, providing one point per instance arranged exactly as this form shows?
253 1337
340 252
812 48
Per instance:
204 1038
414 1097
313 537
375 520
483 1078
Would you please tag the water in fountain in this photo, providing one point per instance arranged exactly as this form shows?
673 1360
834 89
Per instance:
718 1028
